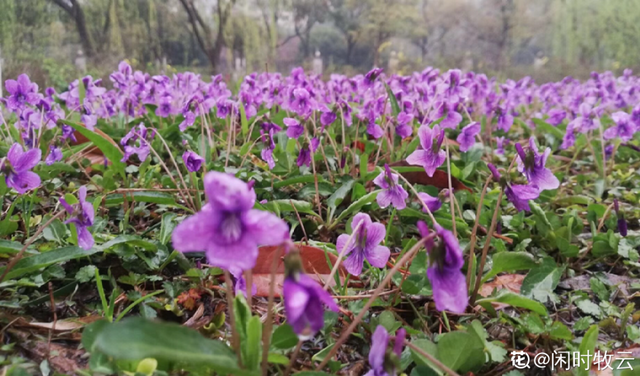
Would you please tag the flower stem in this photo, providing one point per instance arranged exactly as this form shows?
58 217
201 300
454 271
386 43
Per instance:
451 202
235 341
474 232
266 333
365 309
485 250
293 358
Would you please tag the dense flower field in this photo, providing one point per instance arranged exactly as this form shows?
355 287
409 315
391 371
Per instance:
431 224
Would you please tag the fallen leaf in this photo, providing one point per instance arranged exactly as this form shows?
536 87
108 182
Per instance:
314 261
512 282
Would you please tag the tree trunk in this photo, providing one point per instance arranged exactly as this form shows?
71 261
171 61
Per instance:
73 8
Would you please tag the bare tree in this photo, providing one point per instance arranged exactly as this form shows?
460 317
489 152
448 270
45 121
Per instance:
210 45
73 8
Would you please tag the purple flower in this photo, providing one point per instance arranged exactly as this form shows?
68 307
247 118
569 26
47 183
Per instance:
371 76
505 120
327 118
382 361
500 144
532 165
624 128
240 284
266 133
192 160
82 216
164 108
137 142
16 168
365 245
189 119
55 155
467 136
556 116
447 281
227 228
404 128
518 194
392 192
21 92
622 222
430 156
303 303
433 203
294 128
451 117
569 138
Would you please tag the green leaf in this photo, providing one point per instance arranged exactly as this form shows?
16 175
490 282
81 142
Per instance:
394 102
297 180
428 347
166 228
112 152
154 197
514 300
55 232
587 346
9 247
254 334
36 262
547 128
244 123
284 206
541 281
86 273
338 196
461 351
129 239
560 331
284 337
510 261
364 200
137 339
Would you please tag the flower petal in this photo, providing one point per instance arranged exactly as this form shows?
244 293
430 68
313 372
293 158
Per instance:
354 262
379 343
195 233
265 228
24 181
378 256
296 298
449 289
226 192
85 239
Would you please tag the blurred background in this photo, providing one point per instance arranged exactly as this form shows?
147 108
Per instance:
57 41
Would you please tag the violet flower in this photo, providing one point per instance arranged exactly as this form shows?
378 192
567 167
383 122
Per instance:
447 280
519 195
364 245
556 116
306 152
55 155
433 203
501 142
137 142
304 299
294 128
467 137
404 128
624 128
622 222
192 161
16 168
227 228
21 92
240 284
392 192
532 165
82 215
430 156
327 118
384 362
